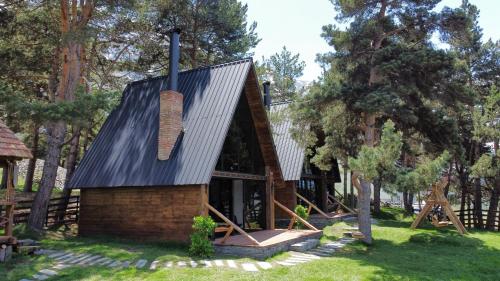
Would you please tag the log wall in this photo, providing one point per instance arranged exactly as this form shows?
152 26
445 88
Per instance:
145 213
286 196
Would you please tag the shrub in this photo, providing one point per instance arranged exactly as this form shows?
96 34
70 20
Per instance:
201 245
301 211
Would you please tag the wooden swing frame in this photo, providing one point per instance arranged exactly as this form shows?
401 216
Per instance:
436 197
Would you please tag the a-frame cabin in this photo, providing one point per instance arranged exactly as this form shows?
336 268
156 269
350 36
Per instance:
223 156
304 183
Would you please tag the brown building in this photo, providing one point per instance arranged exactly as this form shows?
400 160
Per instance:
169 152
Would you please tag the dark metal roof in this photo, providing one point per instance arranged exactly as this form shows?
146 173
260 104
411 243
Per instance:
290 152
125 150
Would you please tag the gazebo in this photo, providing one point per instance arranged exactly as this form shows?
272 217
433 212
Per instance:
11 150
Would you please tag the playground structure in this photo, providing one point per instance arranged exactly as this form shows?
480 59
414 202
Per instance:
435 200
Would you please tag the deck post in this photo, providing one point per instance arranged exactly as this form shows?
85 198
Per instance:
204 200
270 215
324 192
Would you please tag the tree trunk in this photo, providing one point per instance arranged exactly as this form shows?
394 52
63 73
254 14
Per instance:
73 22
352 204
70 169
376 195
478 209
346 195
493 209
410 202
57 131
364 218
30 173
463 201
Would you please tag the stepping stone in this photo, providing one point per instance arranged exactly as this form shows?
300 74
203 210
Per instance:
56 254
72 258
219 263
81 258
320 254
326 251
307 256
231 264
96 261
64 257
48 272
207 263
40 277
296 260
88 260
193 263
115 264
169 264
154 265
181 264
264 265
249 267
125 264
141 263
60 266
285 263
106 262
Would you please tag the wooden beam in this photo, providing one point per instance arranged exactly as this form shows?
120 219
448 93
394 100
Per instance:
425 210
342 204
324 192
9 197
204 200
237 228
311 205
294 215
242 176
270 214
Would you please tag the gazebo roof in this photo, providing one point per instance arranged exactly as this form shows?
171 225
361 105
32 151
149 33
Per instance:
10 145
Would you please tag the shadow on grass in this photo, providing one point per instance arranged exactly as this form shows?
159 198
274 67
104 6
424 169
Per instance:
442 255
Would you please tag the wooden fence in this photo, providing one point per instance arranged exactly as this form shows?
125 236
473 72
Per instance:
469 218
56 205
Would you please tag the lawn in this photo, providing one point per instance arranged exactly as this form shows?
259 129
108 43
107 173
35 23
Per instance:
397 254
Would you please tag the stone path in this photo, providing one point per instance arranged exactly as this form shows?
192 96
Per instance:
67 259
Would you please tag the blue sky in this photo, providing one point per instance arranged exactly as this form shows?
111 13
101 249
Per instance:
297 24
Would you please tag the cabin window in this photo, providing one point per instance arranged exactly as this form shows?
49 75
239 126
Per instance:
241 151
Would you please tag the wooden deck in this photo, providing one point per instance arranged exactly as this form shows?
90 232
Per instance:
268 238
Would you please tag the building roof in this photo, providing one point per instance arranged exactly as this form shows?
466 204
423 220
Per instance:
125 151
10 145
290 152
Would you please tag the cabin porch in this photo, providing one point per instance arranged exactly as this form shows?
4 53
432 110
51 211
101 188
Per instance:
270 242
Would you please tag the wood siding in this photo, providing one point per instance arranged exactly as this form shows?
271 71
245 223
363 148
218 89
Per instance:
286 196
147 213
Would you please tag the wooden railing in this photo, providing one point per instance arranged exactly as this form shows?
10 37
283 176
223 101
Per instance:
469 218
294 217
312 206
232 226
342 204
23 209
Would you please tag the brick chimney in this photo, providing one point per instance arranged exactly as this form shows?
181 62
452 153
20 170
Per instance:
171 103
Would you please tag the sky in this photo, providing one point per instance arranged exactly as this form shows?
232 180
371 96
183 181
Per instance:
297 24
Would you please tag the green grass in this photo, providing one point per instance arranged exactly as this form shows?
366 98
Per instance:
398 253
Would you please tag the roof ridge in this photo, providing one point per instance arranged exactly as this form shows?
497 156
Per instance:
248 59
